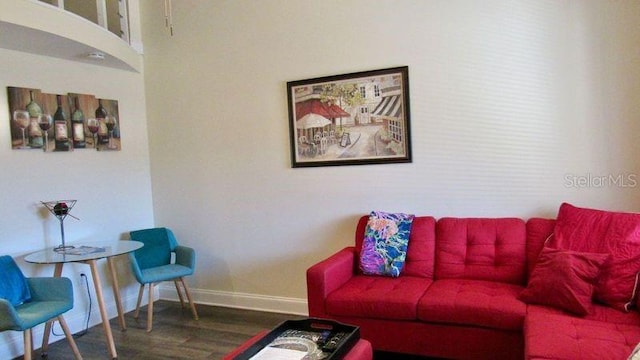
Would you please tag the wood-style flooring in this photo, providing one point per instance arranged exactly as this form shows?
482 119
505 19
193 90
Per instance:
176 335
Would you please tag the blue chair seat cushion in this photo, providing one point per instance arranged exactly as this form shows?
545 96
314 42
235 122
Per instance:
13 286
34 313
165 273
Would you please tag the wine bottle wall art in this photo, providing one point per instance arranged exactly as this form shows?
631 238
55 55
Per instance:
62 123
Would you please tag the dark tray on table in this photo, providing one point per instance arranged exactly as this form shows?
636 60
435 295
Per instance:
321 338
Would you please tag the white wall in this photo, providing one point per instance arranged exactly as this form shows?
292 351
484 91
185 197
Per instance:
112 188
509 101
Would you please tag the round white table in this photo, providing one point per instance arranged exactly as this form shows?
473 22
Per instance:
89 253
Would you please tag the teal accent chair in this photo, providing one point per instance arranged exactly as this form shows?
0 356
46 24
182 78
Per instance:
27 302
153 263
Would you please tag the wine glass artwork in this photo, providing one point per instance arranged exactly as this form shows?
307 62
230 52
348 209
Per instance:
22 119
61 209
44 121
94 126
111 123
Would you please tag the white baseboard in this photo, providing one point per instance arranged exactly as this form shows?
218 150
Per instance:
275 304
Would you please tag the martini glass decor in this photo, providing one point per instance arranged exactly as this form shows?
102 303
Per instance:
61 209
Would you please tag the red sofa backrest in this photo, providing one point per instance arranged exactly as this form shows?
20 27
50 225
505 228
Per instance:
538 231
481 249
420 252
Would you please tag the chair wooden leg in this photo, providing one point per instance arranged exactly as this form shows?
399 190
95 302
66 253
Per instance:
191 303
179 293
45 337
69 337
28 344
137 312
150 308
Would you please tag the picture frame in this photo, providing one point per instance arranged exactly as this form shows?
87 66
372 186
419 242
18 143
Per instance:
351 119
62 122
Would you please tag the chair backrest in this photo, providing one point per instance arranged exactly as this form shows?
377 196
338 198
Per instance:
158 245
13 287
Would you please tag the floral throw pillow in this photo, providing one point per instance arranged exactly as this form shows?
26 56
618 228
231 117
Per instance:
384 248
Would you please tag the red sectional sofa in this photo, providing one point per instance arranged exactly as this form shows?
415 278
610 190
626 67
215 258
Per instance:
457 297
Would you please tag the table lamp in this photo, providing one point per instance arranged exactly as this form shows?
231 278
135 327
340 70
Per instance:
61 209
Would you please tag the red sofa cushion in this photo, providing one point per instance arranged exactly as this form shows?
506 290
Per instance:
598 231
420 252
473 302
481 249
378 297
538 232
565 337
564 279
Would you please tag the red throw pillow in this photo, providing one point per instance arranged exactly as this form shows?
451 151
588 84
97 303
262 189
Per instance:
564 279
606 232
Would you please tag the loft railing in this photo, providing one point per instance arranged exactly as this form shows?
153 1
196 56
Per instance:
109 14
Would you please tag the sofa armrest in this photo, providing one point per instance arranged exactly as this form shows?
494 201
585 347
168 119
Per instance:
327 276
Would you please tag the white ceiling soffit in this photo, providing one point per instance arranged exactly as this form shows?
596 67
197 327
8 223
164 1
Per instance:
65 36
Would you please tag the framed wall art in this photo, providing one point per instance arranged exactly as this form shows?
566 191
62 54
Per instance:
351 119
55 123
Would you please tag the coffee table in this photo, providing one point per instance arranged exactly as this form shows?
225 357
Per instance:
361 350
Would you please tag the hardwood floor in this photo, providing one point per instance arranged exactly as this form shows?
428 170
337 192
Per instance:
176 335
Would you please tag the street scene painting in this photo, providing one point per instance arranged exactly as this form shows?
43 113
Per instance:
351 119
